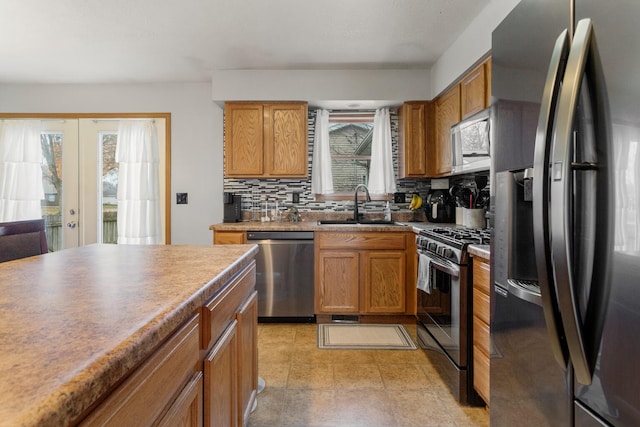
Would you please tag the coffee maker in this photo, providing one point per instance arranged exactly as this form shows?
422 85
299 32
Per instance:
232 208
439 207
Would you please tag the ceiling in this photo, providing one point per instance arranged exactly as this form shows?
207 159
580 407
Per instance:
135 41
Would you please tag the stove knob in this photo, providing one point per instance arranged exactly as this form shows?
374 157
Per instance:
447 253
432 247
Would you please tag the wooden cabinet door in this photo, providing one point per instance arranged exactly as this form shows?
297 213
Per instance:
337 282
221 382
286 140
447 115
384 285
473 91
413 139
244 139
481 329
229 237
186 411
247 317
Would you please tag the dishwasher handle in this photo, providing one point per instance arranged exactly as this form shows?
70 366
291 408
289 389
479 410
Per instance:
279 235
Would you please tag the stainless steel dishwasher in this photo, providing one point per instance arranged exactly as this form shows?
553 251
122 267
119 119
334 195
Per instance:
284 275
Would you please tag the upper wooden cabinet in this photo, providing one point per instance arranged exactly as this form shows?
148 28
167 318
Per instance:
470 94
265 140
447 115
415 142
473 91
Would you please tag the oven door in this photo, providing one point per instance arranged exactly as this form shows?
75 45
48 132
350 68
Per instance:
442 308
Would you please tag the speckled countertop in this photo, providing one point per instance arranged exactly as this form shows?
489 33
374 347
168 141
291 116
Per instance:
314 226
481 251
74 322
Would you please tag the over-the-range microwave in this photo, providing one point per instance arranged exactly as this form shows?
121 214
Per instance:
470 144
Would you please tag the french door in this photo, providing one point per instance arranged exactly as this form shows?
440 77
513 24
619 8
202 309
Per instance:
80 178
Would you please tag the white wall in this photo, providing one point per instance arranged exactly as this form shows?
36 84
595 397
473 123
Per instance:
316 86
472 44
196 137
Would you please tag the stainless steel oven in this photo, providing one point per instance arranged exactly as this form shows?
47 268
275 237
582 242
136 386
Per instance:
444 307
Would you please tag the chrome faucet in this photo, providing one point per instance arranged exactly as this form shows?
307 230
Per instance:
355 200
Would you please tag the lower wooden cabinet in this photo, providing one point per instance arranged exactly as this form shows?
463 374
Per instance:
362 273
206 373
247 357
186 411
220 381
145 396
481 328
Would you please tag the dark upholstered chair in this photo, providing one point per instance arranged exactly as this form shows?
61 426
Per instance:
21 239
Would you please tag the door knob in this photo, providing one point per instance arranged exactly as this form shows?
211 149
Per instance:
71 224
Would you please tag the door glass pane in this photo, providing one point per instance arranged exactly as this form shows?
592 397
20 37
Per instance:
108 196
51 143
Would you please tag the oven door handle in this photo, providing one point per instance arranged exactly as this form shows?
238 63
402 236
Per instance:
442 264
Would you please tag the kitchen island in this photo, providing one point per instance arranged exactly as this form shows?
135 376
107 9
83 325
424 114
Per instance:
79 326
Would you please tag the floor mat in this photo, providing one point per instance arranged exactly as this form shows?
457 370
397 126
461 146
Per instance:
364 336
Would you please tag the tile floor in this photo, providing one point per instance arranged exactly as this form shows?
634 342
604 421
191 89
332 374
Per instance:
309 387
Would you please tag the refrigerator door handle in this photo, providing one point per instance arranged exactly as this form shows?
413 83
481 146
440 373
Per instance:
540 203
583 323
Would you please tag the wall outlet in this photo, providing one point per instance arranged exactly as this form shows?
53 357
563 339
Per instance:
182 198
295 197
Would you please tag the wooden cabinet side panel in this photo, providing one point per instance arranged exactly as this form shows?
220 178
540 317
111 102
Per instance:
286 140
337 282
244 139
447 114
247 317
487 79
384 281
221 382
229 237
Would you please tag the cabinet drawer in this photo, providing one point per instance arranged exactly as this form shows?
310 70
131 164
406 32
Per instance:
361 240
481 275
220 311
481 375
152 387
481 335
229 237
481 306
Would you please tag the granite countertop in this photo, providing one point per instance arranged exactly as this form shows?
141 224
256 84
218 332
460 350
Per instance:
481 251
74 322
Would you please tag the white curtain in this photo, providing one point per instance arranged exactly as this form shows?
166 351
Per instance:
321 176
139 220
381 176
21 188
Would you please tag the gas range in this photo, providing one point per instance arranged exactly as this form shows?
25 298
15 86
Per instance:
451 242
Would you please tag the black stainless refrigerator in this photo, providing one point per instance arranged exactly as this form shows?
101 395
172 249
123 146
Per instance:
565 211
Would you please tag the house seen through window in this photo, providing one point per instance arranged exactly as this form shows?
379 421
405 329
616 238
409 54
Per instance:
350 138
